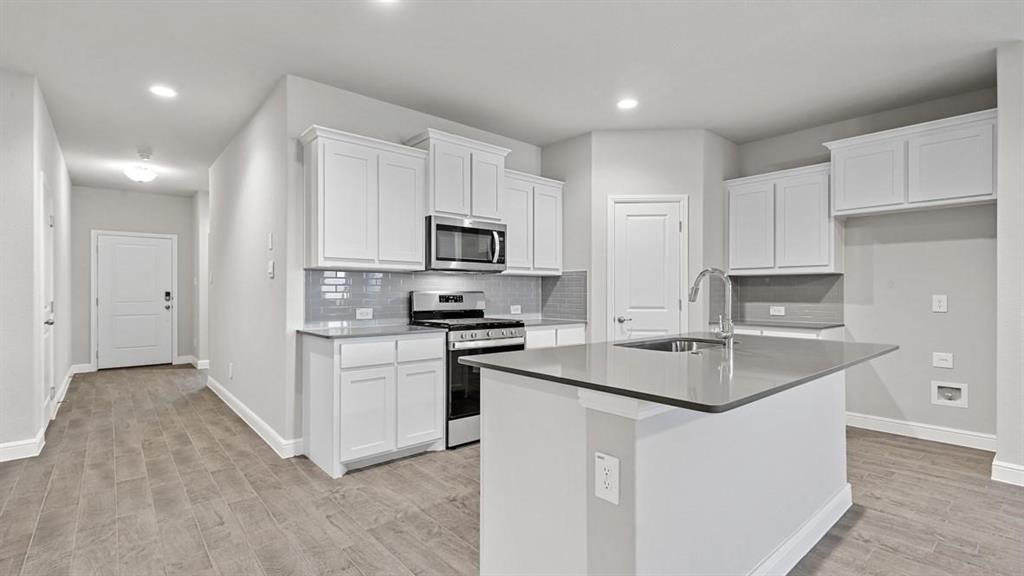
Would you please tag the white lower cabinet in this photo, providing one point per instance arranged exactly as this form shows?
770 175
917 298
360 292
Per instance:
366 415
552 336
420 400
368 400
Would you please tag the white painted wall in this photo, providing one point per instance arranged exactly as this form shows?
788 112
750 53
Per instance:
1009 460
892 266
201 294
127 211
256 188
28 148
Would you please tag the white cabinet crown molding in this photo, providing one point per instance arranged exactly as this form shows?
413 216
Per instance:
905 131
316 131
532 178
438 135
768 176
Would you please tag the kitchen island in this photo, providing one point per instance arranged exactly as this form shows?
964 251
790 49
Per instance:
605 459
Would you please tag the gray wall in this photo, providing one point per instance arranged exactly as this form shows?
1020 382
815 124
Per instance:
892 266
570 161
125 211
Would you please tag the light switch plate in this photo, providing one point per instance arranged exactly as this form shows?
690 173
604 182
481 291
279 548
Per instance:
364 313
515 309
940 303
942 359
776 310
606 477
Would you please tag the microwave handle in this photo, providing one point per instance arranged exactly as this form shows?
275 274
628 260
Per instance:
497 246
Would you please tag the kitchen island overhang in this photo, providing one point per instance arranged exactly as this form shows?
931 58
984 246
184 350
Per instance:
745 489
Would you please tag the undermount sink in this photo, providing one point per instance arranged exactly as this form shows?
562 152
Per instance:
675 344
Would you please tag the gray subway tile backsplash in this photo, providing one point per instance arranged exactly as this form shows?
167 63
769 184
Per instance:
565 296
333 296
811 297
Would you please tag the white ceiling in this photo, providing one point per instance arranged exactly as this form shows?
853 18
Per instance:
532 70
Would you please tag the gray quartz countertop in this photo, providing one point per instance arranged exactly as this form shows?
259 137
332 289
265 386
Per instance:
810 325
538 322
365 331
714 380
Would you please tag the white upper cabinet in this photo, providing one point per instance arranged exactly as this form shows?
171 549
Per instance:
365 202
752 226
780 223
518 217
870 176
802 221
532 212
465 176
941 163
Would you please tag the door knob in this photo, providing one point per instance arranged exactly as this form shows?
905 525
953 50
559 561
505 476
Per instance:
49 322
623 319
167 307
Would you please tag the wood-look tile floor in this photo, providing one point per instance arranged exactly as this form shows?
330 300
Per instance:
145 471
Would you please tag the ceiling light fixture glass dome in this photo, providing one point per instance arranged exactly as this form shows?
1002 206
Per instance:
141 172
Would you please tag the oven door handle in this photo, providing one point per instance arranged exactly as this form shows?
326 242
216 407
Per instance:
478 344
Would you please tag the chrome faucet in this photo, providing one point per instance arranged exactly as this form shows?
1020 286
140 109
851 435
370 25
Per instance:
724 320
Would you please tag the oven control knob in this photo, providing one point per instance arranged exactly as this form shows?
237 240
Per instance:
472 335
504 332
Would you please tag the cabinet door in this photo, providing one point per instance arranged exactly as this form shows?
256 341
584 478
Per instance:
450 177
348 202
547 229
488 179
870 175
802 221
420 402
401 208
571 335
366 412
517 208
752 226
540 338
951 163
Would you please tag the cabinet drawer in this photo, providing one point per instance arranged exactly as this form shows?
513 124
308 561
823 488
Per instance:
541 338
420 349
571 335
367 354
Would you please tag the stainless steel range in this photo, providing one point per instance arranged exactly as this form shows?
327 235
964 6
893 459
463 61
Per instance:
469 333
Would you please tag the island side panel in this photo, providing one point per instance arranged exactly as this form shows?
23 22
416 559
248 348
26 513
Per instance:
747 491
533 477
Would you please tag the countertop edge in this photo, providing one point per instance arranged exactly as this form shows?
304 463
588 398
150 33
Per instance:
400 330
708 408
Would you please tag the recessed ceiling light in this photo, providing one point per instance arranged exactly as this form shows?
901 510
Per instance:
627 103
163 91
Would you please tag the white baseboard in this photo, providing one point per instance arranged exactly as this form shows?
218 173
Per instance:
931 432
789 553
82 368
202 364
284 448
1008 473
23 448
187 359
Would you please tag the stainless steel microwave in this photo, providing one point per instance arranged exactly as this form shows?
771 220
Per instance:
464 245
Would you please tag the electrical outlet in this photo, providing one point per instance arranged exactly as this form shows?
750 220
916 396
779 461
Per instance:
942 359
940 303
606 477
515 309
776 310
231 370
364 313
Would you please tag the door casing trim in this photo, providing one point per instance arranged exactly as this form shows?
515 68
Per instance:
94 289
684 244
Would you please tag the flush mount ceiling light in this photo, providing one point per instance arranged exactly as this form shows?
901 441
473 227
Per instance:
163 91
141 172
627 103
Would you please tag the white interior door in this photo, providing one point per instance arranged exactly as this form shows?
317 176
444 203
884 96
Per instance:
49 368
135 288
645 246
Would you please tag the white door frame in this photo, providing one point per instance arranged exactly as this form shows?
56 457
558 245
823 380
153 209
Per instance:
684 244
94 290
